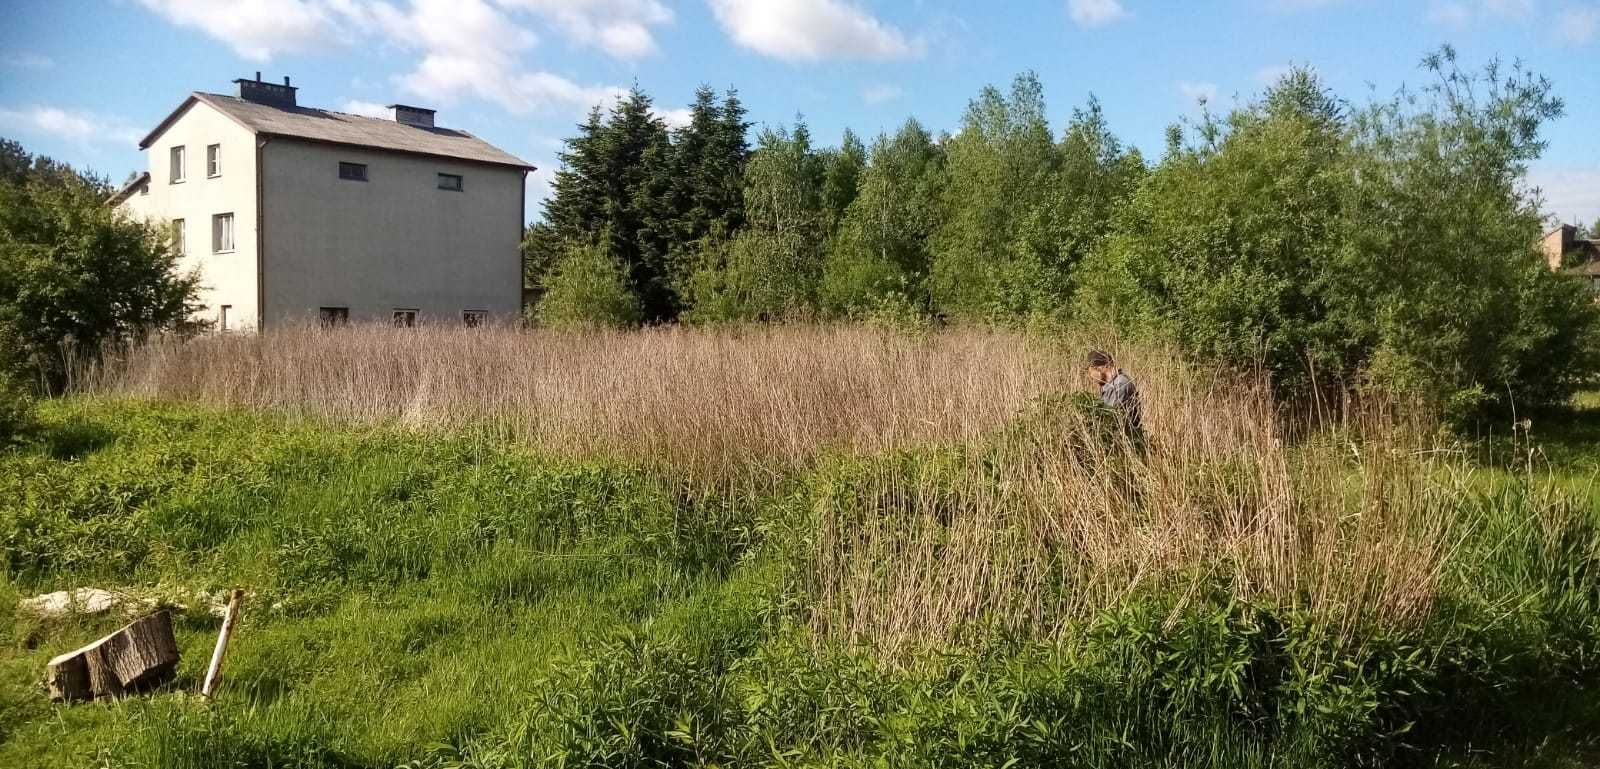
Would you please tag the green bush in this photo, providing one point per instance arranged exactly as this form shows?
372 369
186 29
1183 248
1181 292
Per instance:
76 274
1387 246
16 410
586 288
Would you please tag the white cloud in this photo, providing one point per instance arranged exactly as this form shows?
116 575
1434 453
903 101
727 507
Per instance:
1460 14
674 118
811 30
1515 9
621 28
367 108
1095 13
1449 13
1571 194
880 93
470 48
257 29
1579 26
463 48
25 60
1198 91
540 183
1271 75
75 126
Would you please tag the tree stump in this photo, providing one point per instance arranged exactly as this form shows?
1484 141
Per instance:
141 654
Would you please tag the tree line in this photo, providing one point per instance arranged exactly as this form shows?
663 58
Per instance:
1339 245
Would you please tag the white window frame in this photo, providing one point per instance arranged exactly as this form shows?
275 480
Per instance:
460 182
178 168
222 317
474 318
213 161
350 164
404 317
217 233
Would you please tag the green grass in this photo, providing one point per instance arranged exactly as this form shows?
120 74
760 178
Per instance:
452 601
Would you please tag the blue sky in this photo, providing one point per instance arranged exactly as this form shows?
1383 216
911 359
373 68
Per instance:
82 80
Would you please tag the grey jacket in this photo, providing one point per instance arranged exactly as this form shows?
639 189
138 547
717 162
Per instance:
1119 393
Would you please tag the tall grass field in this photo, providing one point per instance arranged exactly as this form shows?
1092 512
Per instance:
795 546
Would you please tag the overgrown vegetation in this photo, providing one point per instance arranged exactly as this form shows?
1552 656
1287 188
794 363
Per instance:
1388 246
1020 584
75 274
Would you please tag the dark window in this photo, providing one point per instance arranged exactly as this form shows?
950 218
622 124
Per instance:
333 316
356 172
474 318
450 182
405 318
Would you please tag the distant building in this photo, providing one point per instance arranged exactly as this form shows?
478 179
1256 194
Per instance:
1564 251
295 213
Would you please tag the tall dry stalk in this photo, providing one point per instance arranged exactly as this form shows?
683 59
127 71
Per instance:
1041 527
1039 521
696 401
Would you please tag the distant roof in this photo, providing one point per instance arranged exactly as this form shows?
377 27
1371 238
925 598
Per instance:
341 128
127 189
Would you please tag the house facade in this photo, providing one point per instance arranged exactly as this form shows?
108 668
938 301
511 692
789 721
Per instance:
1565 252
293 214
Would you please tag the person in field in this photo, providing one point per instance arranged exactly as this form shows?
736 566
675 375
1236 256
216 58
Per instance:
1116 390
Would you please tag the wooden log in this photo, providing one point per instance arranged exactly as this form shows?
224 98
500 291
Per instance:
214 671
141 654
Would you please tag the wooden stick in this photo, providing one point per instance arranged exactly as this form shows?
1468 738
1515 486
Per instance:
214 672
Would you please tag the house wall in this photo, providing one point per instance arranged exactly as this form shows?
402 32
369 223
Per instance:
225 278
395 241
1556 243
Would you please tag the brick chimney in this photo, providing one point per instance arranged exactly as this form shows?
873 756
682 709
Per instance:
266 93
417 116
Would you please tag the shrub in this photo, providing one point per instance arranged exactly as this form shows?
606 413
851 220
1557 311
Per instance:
76 274
588 289
1389 246
16 410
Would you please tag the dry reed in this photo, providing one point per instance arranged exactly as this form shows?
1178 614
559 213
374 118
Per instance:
695 401
1039 522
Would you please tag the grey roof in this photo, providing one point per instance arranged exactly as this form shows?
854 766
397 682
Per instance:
341 128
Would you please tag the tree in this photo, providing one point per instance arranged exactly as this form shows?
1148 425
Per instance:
587 288
841 176
771 267
76 274
882 251
1388 246
999 169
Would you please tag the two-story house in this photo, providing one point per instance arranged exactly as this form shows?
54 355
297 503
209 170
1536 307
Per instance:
292 213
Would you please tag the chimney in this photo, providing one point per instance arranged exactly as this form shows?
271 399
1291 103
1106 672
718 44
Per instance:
408 115
262 92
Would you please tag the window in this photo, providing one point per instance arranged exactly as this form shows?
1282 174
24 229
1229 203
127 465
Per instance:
221 233
405 318
176 174
450 182
178 239
474 318
333 316
214 160
225 318
355 172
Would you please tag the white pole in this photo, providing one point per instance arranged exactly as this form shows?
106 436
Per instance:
214 672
